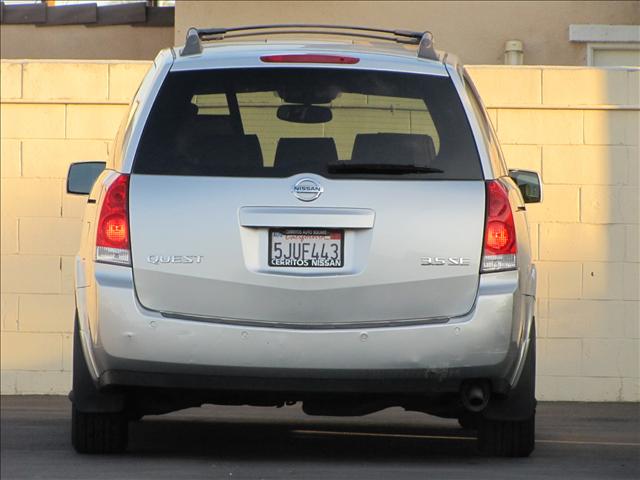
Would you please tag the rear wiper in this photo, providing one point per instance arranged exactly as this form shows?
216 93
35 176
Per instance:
348 167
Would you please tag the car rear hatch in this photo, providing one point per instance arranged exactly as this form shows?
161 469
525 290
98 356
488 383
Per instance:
301 197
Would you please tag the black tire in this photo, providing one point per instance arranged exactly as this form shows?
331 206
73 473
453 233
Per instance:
510 438
507 438
468 421
93 431
135 417
98 432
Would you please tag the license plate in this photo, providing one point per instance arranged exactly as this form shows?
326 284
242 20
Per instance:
306 247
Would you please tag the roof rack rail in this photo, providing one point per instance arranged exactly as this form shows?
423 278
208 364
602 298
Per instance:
424 40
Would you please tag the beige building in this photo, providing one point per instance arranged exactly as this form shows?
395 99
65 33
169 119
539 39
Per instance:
475 30
577 33
579 126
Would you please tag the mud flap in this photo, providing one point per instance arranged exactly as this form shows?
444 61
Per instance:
520 403
85 396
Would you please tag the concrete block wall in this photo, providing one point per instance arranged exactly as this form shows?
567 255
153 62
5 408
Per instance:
579 127
53 113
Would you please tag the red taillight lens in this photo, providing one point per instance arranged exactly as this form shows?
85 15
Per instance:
114 232
112 238
498 236
309 58
500 247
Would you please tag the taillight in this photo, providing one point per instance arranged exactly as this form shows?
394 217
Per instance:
112 238
309 58
500 247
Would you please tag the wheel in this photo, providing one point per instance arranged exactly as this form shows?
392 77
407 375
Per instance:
503 438
468 421
98 432
92 430
513 438
135 416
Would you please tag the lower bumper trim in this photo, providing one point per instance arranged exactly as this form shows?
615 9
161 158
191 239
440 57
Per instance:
301 381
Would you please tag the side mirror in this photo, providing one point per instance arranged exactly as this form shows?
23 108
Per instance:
82 176
529 184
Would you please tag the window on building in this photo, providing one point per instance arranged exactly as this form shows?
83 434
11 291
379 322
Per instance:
609 45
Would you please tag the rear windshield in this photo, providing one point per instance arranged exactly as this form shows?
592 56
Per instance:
278 122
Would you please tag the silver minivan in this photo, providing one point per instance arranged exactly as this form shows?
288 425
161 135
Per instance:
320 222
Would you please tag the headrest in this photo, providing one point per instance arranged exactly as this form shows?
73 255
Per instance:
305 154
225 154
394 148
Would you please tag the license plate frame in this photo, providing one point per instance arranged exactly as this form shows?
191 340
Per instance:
307 262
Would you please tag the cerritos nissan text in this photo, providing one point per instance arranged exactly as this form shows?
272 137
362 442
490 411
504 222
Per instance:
317 222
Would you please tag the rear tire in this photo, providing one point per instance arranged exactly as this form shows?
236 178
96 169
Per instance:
98 432
513 438
468 421
507 438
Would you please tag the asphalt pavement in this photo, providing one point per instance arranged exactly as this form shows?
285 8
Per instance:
574 441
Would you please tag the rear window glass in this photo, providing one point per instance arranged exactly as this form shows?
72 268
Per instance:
278 122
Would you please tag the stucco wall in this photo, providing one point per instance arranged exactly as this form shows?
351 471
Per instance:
122 42
475 31
578 126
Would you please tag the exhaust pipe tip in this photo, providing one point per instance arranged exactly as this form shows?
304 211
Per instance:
475 395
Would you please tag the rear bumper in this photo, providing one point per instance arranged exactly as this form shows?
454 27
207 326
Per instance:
125 344
298 382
